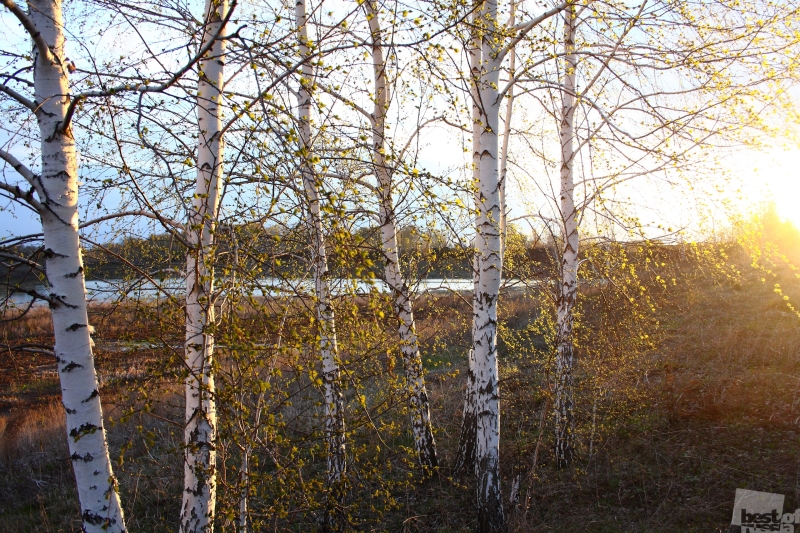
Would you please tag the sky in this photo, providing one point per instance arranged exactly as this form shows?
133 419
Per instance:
771 175
764 175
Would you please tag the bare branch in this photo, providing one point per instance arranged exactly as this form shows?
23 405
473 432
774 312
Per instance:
23 260
140 213
525 27
347 101
43 349
417 131
19 98
143 87
30 27
134 267
20 167
23 196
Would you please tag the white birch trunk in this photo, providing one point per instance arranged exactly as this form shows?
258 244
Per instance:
403 307
334 407
199 494
489 246
563 390
506 138
465 456
58 186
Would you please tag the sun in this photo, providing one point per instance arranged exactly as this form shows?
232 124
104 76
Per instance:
772 176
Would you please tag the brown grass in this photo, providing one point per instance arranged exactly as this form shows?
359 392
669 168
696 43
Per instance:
26 432
723 414
35 476
718 408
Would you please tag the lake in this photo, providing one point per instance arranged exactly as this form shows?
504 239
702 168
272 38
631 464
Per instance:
105 291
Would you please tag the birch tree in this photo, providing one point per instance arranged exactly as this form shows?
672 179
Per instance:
386 161
53 194
495 43
490 266
199 494
568 286
403 307
334 404
465 455
651 127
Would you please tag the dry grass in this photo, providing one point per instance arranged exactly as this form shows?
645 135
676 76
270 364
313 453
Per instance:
723 414
721 410
31 431
36 483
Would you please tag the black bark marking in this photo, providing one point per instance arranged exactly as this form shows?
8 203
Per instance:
50 254
467 443
490 511
96 519
72 366
76 327
92 396
63 174
85 458
84 429
75 274
56 301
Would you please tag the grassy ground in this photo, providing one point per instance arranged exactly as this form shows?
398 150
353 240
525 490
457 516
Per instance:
723 414
717 407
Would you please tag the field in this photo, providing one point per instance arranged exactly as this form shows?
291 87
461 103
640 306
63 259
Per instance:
714 406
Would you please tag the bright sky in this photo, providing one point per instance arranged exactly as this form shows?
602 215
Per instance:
770 175
764 176
775 175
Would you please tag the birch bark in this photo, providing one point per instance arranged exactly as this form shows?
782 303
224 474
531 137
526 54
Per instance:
506 138
563 389
403 307
199 494
465 456
489 248
57 187
489 229
334 407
